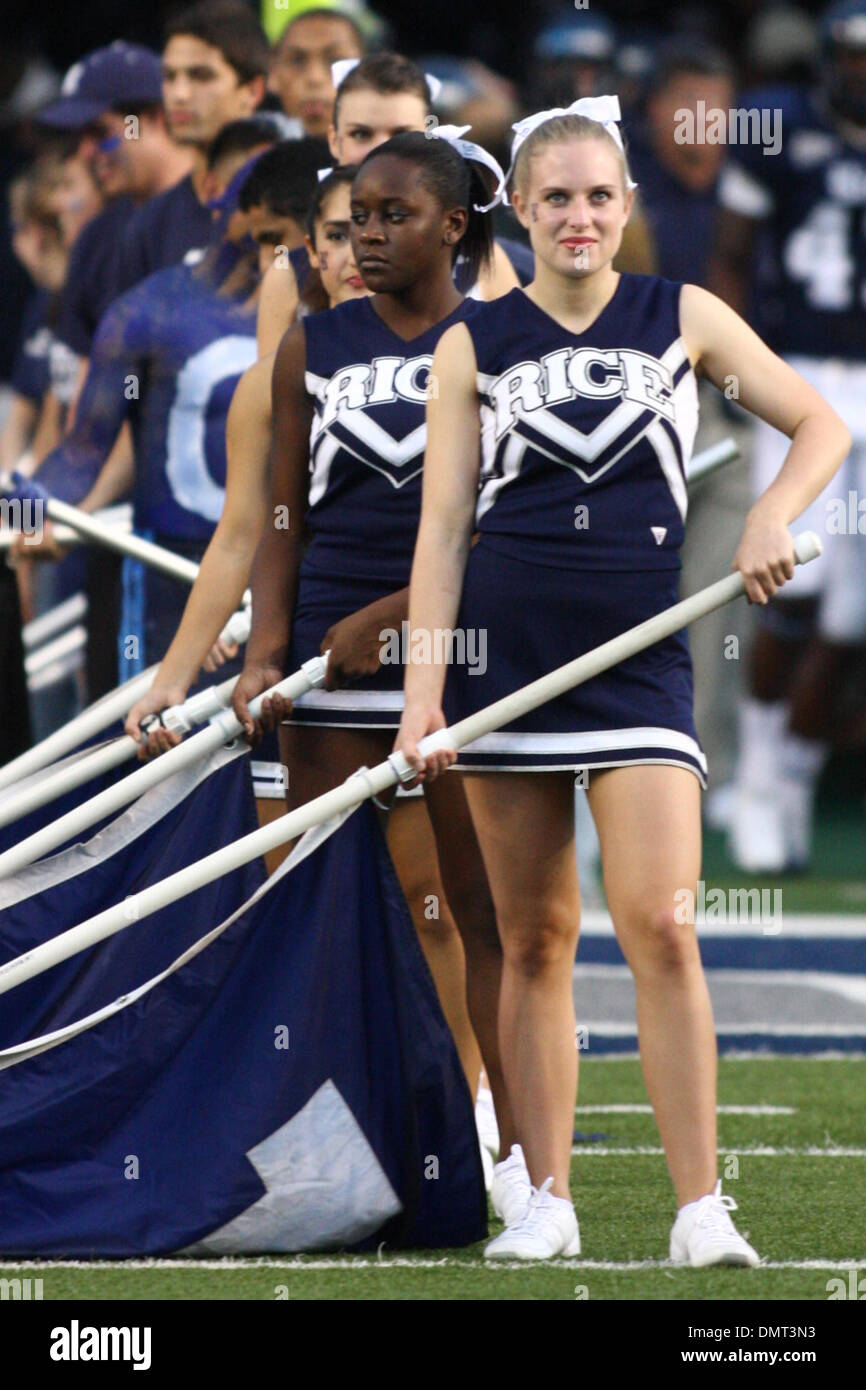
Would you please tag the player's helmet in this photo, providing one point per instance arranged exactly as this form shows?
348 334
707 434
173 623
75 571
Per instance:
843 59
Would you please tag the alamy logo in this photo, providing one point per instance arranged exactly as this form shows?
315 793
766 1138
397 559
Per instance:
76 1343
20 1289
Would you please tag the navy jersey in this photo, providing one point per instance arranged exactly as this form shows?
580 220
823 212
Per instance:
812 198
586 437
31 373
167 356
163 231
91 281
367 441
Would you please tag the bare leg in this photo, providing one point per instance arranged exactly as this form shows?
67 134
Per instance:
525 827
413 850
465 881
649 825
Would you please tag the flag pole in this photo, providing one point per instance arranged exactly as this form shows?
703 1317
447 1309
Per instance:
711 459
212 704
116 704
372 781
57 782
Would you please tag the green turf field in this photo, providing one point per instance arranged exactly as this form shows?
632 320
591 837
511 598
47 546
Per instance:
798 1176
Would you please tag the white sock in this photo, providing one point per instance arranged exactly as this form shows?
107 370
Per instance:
761 730
803 758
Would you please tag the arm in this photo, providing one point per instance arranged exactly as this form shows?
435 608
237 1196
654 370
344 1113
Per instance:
722 346
278 301
117 476
274 577
18 430
225 566
71 470
451 465
49 429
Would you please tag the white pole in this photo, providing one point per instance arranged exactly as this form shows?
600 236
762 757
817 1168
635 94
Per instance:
371 781
118 517
223 728
709 460
181 718
98 716
156 556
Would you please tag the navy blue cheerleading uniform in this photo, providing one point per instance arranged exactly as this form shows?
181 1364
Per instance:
369 389
581 509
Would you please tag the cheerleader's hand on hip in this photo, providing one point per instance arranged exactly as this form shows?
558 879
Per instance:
418 721
765 555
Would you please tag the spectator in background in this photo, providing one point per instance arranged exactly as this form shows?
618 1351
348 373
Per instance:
781 46
807 202
572 56
39 244
678 184
678 180
301 71
111 99
187 334
471 94
77 196
214 70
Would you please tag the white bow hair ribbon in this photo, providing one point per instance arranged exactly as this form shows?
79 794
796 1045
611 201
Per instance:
341 69
604 109
468 149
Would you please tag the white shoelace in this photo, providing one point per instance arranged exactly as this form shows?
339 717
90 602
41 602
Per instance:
714 1216
526 1222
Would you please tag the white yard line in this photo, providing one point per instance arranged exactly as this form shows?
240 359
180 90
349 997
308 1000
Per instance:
759 1151
648 1110
364 1262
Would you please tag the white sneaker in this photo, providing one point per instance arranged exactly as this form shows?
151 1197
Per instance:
485 1121
511 1188
547 1228
704 1234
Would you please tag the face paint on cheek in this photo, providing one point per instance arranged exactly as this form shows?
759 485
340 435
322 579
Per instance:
323 260
533 211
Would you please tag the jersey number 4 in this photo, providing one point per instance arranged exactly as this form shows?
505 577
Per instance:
819 254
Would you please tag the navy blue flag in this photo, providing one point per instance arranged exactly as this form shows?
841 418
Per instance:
292 1086
18 830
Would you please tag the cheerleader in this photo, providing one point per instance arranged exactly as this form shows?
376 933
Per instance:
561 432
349 389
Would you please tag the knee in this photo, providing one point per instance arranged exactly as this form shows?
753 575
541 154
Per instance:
661 939
541 944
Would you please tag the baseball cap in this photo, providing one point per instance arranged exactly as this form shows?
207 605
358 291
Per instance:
121 74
